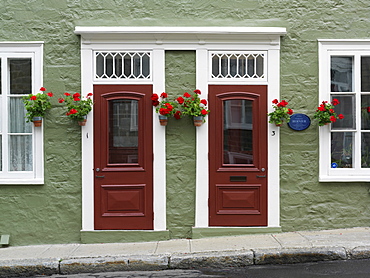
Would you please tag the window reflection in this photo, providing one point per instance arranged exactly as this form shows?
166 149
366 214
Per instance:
123 131
341 74
342 149
238 132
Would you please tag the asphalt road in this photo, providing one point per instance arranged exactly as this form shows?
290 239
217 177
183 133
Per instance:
333 269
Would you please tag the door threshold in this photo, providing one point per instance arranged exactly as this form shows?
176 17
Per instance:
232 231
123 236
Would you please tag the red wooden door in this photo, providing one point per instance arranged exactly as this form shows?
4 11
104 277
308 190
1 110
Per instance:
123 157
238 155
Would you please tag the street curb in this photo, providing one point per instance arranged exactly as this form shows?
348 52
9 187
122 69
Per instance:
243 258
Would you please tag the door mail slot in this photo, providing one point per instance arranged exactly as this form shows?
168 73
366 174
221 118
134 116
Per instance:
238 178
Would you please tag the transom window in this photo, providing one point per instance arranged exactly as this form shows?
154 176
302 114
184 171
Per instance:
21 154
238 65
122 65
346 77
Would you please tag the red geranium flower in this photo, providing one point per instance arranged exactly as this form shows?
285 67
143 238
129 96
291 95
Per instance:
333 118
198 92
33 98
67 94
155 102
42 89
203 101
50 94
283 103
60 100
76 95
290 111
275 101
154 97
335 102
164 95
368 109
89 94
76 99
204 112
177 115
187 95
340 116
180 100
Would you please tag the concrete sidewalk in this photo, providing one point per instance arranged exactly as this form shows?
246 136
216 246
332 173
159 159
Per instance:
236 251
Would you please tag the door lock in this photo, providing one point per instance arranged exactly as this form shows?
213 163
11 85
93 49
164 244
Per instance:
97 169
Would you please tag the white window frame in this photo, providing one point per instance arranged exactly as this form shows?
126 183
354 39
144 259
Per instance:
33 50
328 48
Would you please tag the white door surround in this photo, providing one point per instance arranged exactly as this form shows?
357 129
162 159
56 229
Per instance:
199 39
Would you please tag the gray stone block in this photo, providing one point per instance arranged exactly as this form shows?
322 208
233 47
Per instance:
298 255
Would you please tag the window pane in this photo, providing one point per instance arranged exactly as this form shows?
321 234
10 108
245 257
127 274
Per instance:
342 149
365 112
20 153
365 74
238 132
1 153
346 107
17 113
20 76
0 77
341 74
123 131
365 150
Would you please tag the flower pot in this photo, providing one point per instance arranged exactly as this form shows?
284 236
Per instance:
278 124
163 120
82 122
198 120
37 121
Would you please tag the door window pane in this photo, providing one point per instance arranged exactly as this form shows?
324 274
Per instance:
20 153
346 107
365 74
365 150
20 76
238 132
342 149
341 74
123 131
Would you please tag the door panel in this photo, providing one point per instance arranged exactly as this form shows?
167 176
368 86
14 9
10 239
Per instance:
123 157
238 155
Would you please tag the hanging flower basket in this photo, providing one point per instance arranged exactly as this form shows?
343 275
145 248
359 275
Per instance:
198 120
37 121
163 120
83 121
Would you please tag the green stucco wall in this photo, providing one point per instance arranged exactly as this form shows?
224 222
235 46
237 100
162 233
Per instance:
51 213
180 148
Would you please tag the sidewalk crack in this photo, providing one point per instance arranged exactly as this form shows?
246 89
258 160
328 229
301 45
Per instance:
308 240
274 237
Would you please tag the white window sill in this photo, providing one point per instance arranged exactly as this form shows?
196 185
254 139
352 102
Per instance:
21 182
344 179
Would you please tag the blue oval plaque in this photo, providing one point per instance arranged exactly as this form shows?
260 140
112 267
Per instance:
299 122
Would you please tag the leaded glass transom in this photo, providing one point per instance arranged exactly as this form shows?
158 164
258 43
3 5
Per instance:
123 65
238 65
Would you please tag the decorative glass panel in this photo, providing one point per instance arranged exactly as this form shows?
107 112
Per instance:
237 65
365 112
365 150
123 131
238 132
20 153
346 107
20 76
341 74
17 112
365 74
122 65
342 154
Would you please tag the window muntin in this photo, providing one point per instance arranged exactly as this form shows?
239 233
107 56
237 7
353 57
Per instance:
128 65
21 151
232 66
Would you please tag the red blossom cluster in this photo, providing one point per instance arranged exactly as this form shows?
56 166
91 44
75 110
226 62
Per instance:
325 112
283 103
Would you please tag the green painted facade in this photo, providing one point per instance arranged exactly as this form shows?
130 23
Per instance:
51 213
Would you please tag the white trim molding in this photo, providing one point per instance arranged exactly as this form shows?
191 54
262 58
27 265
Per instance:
201 40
